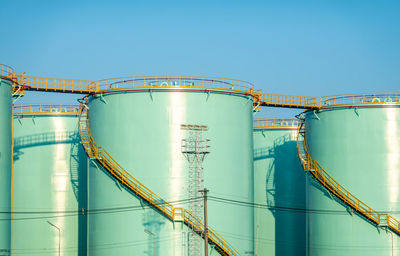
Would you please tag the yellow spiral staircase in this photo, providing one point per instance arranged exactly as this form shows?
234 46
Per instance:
320 175
100 155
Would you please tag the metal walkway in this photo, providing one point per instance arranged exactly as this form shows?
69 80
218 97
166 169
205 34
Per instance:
175 214
288 101
319 174
23 82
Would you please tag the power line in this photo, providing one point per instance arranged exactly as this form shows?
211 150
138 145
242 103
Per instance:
103 246
87 212
213 198
282 208
71 213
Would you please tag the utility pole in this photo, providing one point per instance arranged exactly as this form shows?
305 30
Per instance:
205 191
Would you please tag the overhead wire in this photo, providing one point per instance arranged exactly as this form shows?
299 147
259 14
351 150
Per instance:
70 213
103 246
284 208
141 207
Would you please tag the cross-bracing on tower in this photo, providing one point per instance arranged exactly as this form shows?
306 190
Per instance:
195 148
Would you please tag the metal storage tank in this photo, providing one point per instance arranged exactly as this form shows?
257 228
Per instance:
49 181
279 184
5 158
356 139
138 121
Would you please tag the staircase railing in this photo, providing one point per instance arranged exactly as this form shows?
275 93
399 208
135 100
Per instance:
117 171
319 174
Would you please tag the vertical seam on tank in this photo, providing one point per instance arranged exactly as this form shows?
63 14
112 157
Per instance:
87 200
12 177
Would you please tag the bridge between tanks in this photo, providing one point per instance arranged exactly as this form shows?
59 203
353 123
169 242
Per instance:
22 83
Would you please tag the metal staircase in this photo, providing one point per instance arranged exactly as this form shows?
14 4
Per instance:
320 175
175 214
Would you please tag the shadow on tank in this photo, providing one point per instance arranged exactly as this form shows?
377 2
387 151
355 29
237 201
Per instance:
285 191
42 139
152 222
77 168
78 174
152 219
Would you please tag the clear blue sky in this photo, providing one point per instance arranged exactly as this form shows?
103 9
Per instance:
292 47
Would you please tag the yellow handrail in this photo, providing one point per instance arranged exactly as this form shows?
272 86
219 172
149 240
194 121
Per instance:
117 171
266 123
179 81
361 99
6 71
316 170
32 83
288 101
47 108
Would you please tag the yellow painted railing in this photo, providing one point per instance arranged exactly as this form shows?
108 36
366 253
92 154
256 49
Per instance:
176 81
271 123
124 177
23 82
361 98
6 71
32 83
315 169
288 101
306 102
48 108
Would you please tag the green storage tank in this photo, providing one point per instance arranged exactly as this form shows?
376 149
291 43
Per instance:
5 158
138 121
356 139
279 189
49 181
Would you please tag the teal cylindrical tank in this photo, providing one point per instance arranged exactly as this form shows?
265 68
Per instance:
279 189
140 126
356 139
5 162
49 181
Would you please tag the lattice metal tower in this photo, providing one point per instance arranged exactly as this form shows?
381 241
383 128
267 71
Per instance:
195 148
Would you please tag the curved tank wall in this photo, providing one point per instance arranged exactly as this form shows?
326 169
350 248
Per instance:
360 148
49 182
279 183
5 165
142 131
